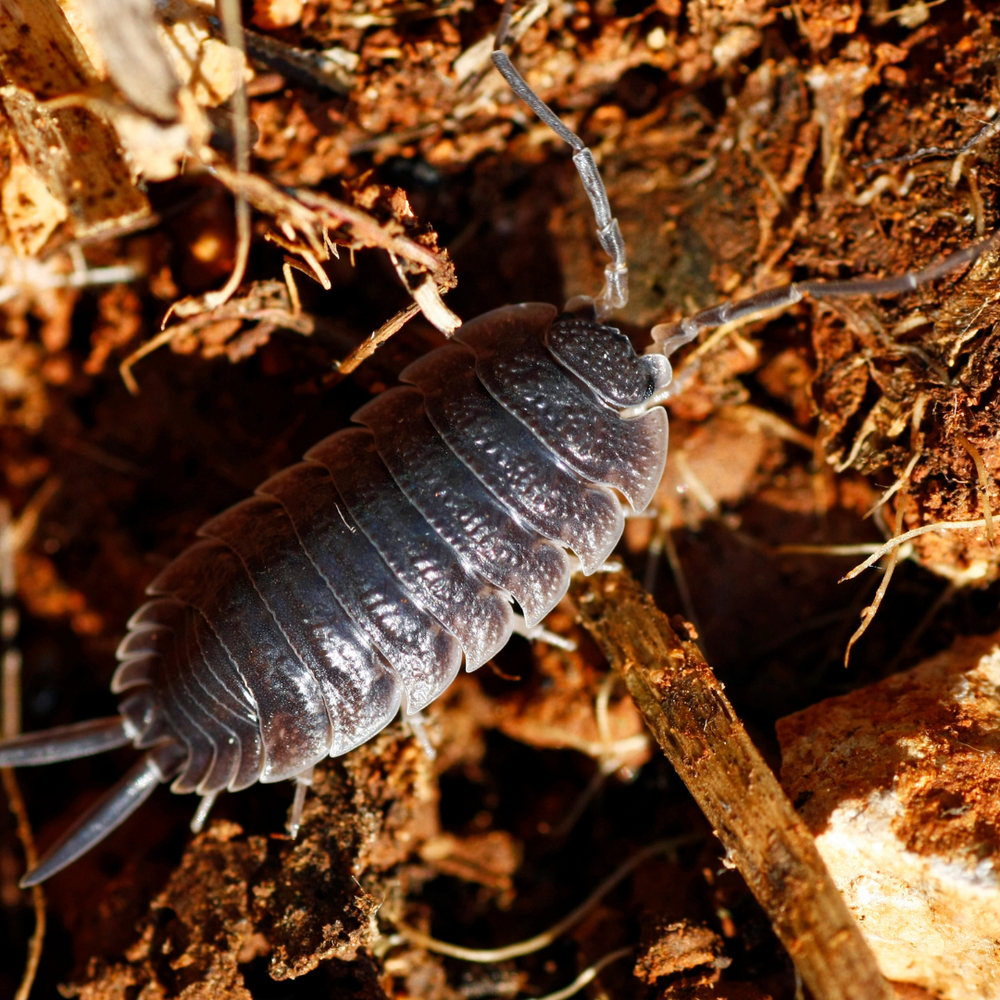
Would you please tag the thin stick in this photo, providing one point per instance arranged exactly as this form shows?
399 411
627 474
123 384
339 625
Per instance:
984 481
543 940
10 724
232 24
16 803
370 345
684 705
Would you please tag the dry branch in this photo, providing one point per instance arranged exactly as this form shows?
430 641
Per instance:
683 704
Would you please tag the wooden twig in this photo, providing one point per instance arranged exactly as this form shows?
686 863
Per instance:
16 803
370 345
693 721
10 711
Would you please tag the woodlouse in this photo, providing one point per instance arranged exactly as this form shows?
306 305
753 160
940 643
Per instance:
404 541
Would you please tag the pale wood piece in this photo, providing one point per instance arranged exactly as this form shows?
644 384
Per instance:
74 150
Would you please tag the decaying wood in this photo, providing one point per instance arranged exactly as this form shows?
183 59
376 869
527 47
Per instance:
684 705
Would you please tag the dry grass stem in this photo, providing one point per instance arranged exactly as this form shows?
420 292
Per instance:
543 940
984 481
869 613
371 344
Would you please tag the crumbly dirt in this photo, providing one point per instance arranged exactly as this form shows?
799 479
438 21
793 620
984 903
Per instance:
744 144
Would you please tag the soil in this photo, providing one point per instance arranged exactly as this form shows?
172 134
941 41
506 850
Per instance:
744 145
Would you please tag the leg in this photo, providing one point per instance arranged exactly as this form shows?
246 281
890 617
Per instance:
201 813
538 632
303 782
419 730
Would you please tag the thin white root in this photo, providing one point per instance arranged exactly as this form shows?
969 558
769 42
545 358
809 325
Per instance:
602 705
589 974
883 183
583 800
984 482
662 543
916 444
609 760
834 551
868 615
895 543
543 940
125 368
900 482
914 637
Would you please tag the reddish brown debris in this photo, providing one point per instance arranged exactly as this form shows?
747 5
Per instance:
678 947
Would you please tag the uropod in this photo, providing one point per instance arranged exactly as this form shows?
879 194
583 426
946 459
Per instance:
350 587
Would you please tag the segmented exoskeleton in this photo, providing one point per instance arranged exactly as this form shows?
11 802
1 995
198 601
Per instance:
353 584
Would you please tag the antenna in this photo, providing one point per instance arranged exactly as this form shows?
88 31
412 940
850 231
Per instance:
614 295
